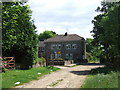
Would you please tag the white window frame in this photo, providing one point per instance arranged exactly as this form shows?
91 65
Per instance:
71 56
67 56
74 46
68 46
58 46
53 46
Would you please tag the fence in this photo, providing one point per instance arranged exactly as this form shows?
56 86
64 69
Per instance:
8 63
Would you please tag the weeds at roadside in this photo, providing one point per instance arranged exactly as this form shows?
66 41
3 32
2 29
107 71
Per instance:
103 77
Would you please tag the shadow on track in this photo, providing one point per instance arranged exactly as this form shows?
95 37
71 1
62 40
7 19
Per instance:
104 70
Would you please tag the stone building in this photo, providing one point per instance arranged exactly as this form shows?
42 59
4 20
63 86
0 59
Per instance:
41 49
67 47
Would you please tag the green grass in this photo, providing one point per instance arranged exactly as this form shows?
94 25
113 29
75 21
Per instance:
23 76
102 78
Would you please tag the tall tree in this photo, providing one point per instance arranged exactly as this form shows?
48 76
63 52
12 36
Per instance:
46 34
106 31
93 51
19 35
89 45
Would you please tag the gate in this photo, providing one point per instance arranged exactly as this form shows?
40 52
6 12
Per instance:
8 62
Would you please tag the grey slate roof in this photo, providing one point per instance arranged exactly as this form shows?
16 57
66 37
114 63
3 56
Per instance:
62 38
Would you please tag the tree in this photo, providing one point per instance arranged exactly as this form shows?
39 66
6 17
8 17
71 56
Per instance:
93 51
106 32
46 34
89 45
19 35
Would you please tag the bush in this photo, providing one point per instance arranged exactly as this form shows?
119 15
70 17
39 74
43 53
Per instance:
91 58
39 60
20 39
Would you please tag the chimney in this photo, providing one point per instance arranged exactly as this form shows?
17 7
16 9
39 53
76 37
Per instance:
65 34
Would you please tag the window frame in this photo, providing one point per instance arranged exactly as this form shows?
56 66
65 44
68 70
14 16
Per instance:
53 46
71 55
67 56
68 46
74 46
58 46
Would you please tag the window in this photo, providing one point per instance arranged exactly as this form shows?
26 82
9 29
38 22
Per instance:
71 56
59 56
68 46
52 46
58 46
51 56
74 46
67 56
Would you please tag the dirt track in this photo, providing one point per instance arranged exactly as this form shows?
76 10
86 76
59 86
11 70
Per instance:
67 77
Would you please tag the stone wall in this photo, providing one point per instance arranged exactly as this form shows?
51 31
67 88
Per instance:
67 62
39 64
77 53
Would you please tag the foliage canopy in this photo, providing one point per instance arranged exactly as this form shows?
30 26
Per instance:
106 32
46 34
19 35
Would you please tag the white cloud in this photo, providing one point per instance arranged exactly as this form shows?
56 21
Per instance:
73 16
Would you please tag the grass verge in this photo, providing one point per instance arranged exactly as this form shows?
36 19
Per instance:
102 78
23 76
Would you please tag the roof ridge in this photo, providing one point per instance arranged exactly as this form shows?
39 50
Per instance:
68 34
62 37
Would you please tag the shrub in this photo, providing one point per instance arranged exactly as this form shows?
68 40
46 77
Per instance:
19 36
91 58
39 60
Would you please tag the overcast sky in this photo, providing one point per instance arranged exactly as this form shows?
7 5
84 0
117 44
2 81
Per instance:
72 16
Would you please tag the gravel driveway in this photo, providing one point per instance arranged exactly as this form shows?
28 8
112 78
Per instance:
67 77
